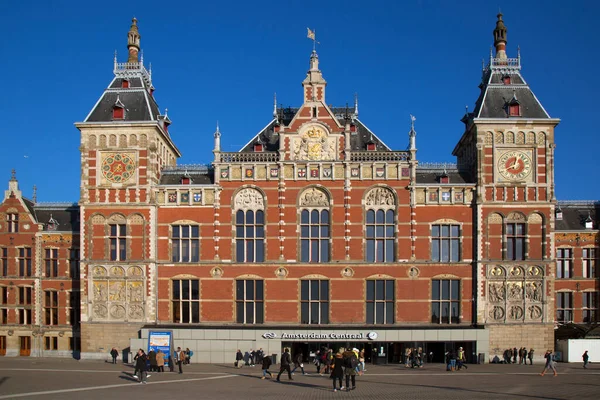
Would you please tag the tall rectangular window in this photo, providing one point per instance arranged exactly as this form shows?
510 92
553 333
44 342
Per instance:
186 301
50 307
3 261
564 263
3 302
24 316
13 222
3 316
590 306
74 263
380 302
25 300
314 302
25 261
74 308
250 236
249 301
185 243
564 307
118 242
515 241
51 343
445 301
380 235
51 260
25 295
589 263
445 243
314 236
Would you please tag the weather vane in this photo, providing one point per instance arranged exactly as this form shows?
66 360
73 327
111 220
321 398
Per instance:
312 35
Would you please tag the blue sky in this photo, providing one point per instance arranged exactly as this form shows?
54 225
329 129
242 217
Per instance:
224 60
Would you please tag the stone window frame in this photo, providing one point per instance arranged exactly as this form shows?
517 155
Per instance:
181 301
74 263
3 261
386 302
373 203
51 316
450 300
256 303
12 222
306 204
562 259
249 198
589 260
450 223
190 239
568 309
515 219
51 263
589 305
50 343
25 261
320 301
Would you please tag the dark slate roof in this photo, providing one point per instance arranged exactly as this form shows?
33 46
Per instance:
65 216
199 174
495 96
432 177
358 139
139 106
575 214
117 83
30 206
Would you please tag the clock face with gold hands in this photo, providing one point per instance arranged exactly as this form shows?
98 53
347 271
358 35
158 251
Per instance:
118 167
514 165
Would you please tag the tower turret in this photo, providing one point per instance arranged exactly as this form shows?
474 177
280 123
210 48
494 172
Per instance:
500 38
133 42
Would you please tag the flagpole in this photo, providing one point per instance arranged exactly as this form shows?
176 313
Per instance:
315 41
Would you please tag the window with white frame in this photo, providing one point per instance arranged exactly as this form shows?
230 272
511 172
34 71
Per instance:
589 306
445 301
3 302
564 307
380 235
564 263
589 262
515 241
185 301
250 236
185 243
118 242
445 243
51 261
380 301
3 261
314 235
50 343
314 301
24 260
249 299
13 222
51 307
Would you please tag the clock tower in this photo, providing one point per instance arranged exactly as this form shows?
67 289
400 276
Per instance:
125 144
508 147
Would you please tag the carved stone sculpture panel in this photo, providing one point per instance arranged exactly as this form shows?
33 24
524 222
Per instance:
249 199
380 197
314 197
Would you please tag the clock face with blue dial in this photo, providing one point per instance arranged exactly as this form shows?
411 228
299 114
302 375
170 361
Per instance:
118 167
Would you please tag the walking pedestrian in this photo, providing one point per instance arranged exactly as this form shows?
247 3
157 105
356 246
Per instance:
461 359
549 363
114 353
530 355
180 354
585 358
286 360
140 366
350 364
239 359
337 371
361 360
266 363
298 363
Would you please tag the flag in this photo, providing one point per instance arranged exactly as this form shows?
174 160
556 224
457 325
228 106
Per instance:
310 34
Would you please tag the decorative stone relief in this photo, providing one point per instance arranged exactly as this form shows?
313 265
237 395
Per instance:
100 311
534 271
520 138
499 138
98 219
313 144
134 271
497 313
515 216
314 197
339 172
530 138
249 199
136 219
117 291
535 218
117 272
515 291
161 197
535 312
497 271
509 137
100 291
136 311
533 291
281 272
117 311
413 272
515 312
517 271
117 295
494 218
136 292
99 271
489 138
541 138
380 197
420 196
496 292
216 272
347 272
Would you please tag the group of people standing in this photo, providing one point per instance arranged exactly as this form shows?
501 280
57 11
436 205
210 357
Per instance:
455 360
155 361
250 358
413 358
510 356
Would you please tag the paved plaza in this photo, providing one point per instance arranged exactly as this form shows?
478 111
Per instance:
25 378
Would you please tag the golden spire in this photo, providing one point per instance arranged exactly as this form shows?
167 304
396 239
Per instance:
133 42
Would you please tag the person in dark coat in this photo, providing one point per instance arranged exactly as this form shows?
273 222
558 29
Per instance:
286 360
152 359
114 354
515 354
266 363
530 356
140 365
337 370
239 357
298 363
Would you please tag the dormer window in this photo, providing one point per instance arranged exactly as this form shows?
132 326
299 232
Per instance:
559 214
371 147
514 110
506 79
125 84
444 179
258 147
52 224
589 222
352 128
118 109
186 180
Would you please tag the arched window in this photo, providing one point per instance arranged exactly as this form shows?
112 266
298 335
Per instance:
249 226
380 229
315 232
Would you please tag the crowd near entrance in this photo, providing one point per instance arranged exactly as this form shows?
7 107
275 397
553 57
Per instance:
385 352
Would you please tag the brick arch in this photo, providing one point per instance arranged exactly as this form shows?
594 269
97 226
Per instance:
314 276
536 235
92 141
516 216
247 188
117 218
380 276
493 234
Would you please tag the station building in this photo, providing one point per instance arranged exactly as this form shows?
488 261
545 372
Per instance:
314 234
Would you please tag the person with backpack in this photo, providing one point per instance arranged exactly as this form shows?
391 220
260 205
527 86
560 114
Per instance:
266 363
350 364
286 360
298 363
550 363
337 370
